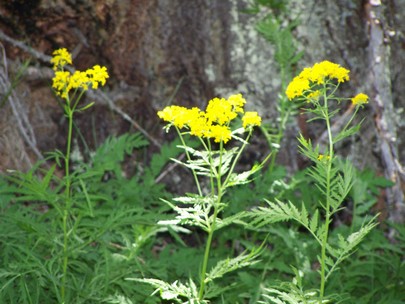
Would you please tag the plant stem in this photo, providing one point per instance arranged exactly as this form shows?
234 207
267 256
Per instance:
67 204
189 159
327 207
212 225
207 254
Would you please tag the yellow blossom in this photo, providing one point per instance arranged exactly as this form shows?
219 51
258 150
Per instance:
326 69
360 99
78 80
219 110
63 81
60 58
60 82
199 126
97 75
318 74
219 133
237 102
174 115
251 119
297 87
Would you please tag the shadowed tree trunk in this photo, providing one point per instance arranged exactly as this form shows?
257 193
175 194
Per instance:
186 52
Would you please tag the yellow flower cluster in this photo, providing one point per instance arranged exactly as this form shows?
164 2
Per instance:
214 121
318 74
360 99
251 119
61 58
63 81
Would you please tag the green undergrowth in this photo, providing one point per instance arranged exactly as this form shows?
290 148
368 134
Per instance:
115 236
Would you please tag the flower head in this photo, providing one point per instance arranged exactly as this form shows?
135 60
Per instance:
219 133
220 110
251 119
360 99
175 115
297 87
63 81
237 102
60 58
97 75
319 74
60 82
326 69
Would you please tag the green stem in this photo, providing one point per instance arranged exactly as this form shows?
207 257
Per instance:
212 225
189 159
207 253
69 115
328 197
237 157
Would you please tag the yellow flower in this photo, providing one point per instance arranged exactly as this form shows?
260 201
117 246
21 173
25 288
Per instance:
251 119
97 75
326 69
297 87
78 80
219 133
237 102
60 82
174 115
321 157
199 126
220 111
318 74
360 99
60 58
63 81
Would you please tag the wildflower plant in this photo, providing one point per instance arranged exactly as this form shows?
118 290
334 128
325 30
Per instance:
214 128
316 89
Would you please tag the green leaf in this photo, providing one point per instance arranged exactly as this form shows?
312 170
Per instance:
314 222
225 266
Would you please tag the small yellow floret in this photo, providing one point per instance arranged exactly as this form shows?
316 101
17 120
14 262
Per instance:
60 58
323 157
219 110
297 87
360 99
97 75
238 102
219 133
251 119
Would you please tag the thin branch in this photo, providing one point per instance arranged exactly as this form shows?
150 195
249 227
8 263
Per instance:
23 123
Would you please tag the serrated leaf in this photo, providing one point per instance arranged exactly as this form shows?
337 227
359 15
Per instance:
314 222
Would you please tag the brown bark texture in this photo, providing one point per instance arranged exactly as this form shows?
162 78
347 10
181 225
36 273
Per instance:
185 52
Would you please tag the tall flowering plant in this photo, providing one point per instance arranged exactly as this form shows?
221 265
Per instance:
70 87
316 89
223 120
